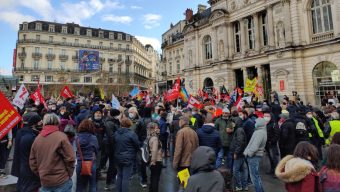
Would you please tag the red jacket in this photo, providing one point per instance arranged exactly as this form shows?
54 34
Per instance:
309 184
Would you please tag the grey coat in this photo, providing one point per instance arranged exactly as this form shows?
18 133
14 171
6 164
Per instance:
258 141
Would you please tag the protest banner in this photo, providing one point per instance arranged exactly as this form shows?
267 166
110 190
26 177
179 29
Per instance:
21 96
9 117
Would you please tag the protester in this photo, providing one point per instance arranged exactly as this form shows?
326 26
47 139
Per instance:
27 180
126 148
332 126
204 177
87 149
298 170
156 156
186 143
335 140
163 126
288 139
330 174
255 151
5 147
316 135
52 157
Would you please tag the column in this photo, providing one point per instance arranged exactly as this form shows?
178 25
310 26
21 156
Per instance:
243 26
214 45
230 40
225 41
245 75
271 36
257 32
259 75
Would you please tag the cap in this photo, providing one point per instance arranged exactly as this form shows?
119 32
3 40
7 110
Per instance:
226 110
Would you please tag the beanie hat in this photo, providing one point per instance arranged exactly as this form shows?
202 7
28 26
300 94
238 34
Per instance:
114 112
34 119
96 108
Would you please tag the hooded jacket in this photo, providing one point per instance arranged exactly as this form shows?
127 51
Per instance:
209 136
258 141
88 144
298 174
203 167
126 147
287 137
221 125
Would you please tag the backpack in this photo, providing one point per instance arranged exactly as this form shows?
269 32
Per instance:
146 155
301 131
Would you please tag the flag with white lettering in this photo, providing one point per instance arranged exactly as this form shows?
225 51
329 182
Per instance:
21 96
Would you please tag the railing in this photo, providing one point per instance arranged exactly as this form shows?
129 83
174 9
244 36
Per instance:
22 55
63 57
50 56
128 62
75 58
37 55
322 37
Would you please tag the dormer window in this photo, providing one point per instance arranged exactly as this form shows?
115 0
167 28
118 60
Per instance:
111 36
76 31
120 36
51 28
64 29
127 37
101 34
89 32
38 27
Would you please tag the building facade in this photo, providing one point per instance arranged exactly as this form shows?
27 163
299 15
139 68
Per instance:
289 45
49 53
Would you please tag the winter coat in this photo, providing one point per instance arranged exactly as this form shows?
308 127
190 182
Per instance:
126 147
28 181
205 178
64 122
88 144
186 143
141 129
111 125
298 174
208 136
239 142
258 141
83 114
221 125
273 132
52 157
249 127
329 179
199 121
287 141
300 118
155 148
276 109
163 126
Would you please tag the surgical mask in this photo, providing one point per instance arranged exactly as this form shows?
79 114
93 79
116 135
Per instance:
309 116
62 113
132 115
53 108
97 117
267 119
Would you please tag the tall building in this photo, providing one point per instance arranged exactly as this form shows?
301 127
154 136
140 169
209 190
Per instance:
82 57
289 45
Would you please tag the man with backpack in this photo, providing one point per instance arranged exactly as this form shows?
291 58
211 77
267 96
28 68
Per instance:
287 141
141 131
300 121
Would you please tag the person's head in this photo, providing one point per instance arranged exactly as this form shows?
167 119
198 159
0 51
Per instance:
114 113
35 121
51 119
243 114
333 157
125 122
309 114
153 128
133 112
208 118
336 138
187 112
183 121
267 117
194 110
225 113
307 151
147 112
335 115
62 110
86 126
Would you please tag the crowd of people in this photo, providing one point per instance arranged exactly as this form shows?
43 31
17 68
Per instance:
67 146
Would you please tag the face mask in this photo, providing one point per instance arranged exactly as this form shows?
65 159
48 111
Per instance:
241 116
309 116
267 119
62 113
53 108
132 115
97 117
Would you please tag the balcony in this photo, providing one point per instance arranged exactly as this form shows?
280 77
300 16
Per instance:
164 44
102 60
75 58
111 60
63 57
50 56
36 55
322 37
164 73
128 62
22 55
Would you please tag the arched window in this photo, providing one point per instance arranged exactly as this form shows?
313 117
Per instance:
237 33
207 47
321 16
251 34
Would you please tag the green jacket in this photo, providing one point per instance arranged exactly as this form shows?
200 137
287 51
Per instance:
221 125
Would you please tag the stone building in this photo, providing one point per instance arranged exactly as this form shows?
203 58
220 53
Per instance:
289 45
49 52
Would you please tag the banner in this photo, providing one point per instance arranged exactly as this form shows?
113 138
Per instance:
250 85
115 103
66 93
184 94
172 94
193 102
134 92
9 117
88 60
21 96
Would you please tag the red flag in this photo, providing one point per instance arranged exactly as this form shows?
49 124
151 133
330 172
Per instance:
239 103
172 94
177 85
38 98
66 93
193 102
218 112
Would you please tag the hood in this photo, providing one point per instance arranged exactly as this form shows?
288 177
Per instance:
260 124
208 128
292 169
84 138
48 129
121 130
203 159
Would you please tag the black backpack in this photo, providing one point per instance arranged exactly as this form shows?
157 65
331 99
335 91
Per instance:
301 130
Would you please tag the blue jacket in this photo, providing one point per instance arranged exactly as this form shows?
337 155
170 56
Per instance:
209 136
88 145
20 168
127 146
249 127
162 126
83 114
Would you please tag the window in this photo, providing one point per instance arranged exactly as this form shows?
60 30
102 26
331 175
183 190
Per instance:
101 34
322 16
35 78
251 35
127 69
119 69
38 27
120 36
264 23
127 47
111 68
75 79
178 67
50 50
48 78
62 65
111 35
76 31
37 50
119 46
64 29
50 39
24 37
207 47
87 79
119 57
127 37
49 65
89 32
36 64
63 52
37 37
21 78
110 80
170 68
51 28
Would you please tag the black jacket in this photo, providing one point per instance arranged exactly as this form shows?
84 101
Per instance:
126 147
239 142
288 139
20 167
141 129
111 125
199 121
273 132
249 127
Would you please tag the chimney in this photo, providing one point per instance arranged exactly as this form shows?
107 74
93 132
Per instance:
201 8
188 14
